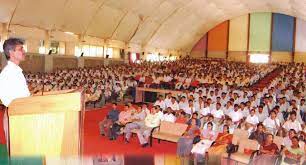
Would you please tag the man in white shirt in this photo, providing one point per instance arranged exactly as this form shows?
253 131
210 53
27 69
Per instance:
173 104
152 120
251 120
183 104
13 84
12 81
292 123
167 100
236 115
218 113
169 116
160 102
271 123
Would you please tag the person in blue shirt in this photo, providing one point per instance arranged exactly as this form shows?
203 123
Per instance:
195 116
111 117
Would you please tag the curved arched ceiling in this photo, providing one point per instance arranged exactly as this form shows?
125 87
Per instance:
165 24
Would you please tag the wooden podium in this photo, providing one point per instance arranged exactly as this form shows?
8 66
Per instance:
48 125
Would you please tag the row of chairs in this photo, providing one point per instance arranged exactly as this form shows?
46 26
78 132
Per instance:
243 144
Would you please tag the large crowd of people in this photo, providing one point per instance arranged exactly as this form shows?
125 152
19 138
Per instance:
217 98
114 82
214 111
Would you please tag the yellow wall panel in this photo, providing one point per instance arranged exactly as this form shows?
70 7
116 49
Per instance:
300 57
281 57
237 56
238 33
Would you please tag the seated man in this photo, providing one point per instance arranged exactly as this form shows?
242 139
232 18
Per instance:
109 120
259 135
168 116
236 115
160 102
292 123
152 120
251 121
136 122
124 118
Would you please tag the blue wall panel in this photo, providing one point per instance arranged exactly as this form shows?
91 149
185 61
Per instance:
282 33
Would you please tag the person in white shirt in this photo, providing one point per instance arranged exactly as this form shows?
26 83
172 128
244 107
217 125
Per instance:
204 113
173 104
152 120
13 84
218 113
287 140
251 120
228 108
167 100
199 104
236 115
160 102
292 123
168 116
261 114
12 81
190 109
183 104
271 123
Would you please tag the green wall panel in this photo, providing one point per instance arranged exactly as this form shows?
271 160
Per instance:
260 32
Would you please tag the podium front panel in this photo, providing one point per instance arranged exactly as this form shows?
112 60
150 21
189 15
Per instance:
52 134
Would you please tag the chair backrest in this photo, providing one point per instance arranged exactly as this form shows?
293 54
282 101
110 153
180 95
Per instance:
278 141
238 135
172 128
247 144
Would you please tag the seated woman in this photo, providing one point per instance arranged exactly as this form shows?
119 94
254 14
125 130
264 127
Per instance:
184 144
181 118
207 138
219 147
294 153
267 152
195 116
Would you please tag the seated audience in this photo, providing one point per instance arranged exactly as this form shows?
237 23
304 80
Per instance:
267 152
219 147
184 144
108 121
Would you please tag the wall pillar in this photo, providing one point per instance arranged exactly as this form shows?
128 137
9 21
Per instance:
81 62
48 63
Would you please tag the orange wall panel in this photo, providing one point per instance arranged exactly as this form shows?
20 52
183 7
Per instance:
218 37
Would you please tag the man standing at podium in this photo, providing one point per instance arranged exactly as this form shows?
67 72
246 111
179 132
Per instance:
13 84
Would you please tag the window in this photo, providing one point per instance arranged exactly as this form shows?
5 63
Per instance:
54 47
133 57
152 57
85 50
99 51
41 49
109 52
62 47
93 51
88 50
172 58
259 58
77 51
